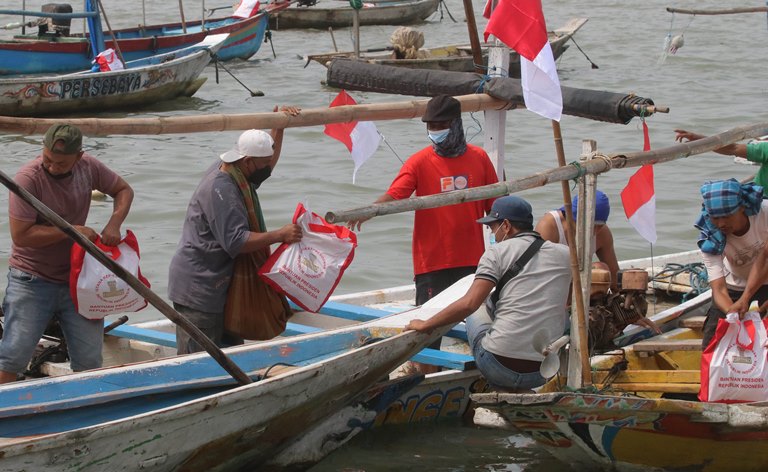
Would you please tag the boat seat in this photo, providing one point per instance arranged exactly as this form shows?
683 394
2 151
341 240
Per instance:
654 345
694 322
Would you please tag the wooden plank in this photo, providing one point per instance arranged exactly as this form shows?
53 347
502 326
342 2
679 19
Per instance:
656 387
436 357
653 345
362 313
694 322
650 376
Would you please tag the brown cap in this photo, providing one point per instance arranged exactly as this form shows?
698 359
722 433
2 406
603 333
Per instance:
442 108
71 135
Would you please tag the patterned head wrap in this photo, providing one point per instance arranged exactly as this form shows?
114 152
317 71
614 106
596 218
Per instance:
723 198
454 144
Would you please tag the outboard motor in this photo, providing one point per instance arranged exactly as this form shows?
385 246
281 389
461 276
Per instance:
53 27
610 313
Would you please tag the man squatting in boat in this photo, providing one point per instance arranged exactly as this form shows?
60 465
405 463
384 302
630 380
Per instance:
533 300
62 177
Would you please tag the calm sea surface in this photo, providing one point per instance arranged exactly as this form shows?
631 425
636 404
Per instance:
715 82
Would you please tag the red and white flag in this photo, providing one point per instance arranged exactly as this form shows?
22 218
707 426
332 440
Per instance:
246 8
361 137
639 197
520 25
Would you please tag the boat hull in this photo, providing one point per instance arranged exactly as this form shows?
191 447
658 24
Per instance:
129 88
35 56
634 434
387 13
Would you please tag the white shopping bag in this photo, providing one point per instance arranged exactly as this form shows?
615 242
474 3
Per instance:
246 8
307 272
107 60
96 291
734 367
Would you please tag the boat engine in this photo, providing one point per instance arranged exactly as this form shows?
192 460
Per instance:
610 313
54 26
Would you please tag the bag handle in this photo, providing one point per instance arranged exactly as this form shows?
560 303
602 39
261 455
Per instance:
749 327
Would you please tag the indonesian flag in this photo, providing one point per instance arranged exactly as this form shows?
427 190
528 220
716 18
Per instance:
246 8
361 137
639 198
520 25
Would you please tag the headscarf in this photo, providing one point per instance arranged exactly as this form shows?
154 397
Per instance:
454 144
602 207
723 198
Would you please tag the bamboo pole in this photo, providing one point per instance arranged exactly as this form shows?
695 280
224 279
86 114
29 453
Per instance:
557 174
728 11
579 373
224 361
183 20
474 41
269 120
111 32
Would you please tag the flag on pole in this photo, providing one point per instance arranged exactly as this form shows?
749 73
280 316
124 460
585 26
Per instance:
246 8
361 137
639 197
520 25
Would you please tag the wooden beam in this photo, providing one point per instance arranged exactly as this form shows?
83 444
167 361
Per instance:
649 377
653 345
727 11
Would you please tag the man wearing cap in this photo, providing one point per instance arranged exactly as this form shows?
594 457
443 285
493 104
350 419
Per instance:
446 241
734 229
62 177
552 228
217 229
530 302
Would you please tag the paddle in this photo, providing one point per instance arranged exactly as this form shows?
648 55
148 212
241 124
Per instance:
130 279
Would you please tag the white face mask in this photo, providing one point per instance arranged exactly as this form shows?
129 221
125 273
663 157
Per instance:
438 137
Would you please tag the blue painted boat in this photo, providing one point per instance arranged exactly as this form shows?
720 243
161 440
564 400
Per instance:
142 82
185 413
35 54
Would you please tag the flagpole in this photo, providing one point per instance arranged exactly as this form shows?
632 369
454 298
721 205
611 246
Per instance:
579 373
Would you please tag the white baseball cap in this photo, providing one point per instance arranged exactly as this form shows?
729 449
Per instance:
252 143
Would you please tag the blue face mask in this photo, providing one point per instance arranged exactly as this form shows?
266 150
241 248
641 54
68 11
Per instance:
492 239
438 137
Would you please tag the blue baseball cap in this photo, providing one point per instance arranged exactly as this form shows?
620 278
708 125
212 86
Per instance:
512 208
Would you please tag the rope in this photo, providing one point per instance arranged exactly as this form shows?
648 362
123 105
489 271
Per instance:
356 4
580 171
383 138
697 277
218 64
266 372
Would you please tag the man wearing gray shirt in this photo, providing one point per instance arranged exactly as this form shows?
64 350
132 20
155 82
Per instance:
216 230
532 301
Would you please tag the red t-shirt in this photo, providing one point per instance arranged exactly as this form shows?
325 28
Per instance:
69 198
446 237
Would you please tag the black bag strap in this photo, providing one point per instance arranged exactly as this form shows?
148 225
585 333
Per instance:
517 266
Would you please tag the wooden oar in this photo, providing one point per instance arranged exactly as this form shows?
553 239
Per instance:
130 279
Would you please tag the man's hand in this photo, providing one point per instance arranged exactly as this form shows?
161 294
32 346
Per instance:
288 110
418 325
359 223
682 135
87 232
290 233
740 306
110 235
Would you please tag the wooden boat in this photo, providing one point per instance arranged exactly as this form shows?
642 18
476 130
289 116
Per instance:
33 54
334 14
185 413
403 399
142 82
455 57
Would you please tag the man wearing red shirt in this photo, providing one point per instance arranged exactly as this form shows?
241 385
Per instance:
447 243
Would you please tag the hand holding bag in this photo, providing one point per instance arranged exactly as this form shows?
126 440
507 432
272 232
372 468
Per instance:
96 291
309 270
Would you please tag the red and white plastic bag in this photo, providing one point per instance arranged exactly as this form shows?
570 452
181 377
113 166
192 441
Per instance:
246 8
308 271
734 367
107 60
96 291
